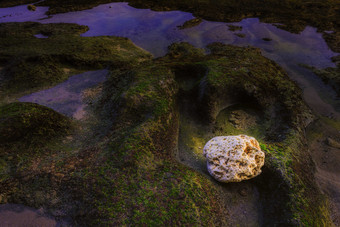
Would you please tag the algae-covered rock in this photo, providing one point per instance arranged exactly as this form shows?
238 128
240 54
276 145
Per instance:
29 122
31 7
330 75
30 63
233 158
190 23
126 170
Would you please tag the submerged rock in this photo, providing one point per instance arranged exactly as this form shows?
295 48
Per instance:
190 23
233 158
31 7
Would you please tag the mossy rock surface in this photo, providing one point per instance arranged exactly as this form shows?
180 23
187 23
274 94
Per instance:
330 75
10 3
126 171
142 107
31 123
30 63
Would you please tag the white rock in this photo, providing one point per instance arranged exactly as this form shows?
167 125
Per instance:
233 158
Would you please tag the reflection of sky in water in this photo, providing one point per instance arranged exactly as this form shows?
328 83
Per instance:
155 31
21 14
66 97
41 36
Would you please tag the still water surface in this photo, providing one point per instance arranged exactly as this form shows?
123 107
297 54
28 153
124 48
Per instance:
67 97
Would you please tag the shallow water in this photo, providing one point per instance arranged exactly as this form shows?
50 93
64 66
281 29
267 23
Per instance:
155 31
20 215
67 97
21 14
41 36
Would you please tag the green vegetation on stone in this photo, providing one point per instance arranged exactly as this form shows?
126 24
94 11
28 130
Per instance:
330 75
30 63
243 76
31 123
10 3
145 184
125 171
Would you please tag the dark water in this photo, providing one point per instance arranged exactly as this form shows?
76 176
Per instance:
155 31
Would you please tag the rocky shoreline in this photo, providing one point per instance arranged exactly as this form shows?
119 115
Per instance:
136 157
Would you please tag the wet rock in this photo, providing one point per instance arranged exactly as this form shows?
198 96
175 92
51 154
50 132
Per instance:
31 7
241 35
333 143
266 39
233 158
234 28
190 23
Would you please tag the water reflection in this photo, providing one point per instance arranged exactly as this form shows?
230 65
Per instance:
21 14
41 36
67 97
155 31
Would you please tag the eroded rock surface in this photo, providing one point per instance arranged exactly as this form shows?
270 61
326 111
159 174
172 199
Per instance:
233 158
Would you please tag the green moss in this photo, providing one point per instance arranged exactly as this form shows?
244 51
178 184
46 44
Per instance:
126 172
144 131
146 186
190 23
242 75
31 123
31 63
329 75
183 52
33 73
31 7
306 199
10 3
331 122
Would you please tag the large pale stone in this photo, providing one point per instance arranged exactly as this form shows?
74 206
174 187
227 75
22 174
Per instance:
233 158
